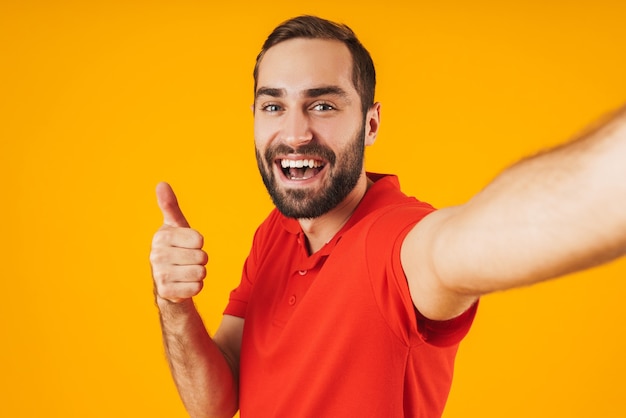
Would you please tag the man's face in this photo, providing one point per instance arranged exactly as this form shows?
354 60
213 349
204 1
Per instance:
309 130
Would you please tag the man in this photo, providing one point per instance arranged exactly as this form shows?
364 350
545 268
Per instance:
354 296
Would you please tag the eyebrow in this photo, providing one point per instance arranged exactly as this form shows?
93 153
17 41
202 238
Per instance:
326 91
267 91
309 93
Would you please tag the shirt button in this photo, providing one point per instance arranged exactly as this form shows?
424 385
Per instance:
302 272
292 300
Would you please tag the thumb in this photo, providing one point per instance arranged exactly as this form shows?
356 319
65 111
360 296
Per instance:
172 215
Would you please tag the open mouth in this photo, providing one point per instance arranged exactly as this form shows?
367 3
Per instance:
302 169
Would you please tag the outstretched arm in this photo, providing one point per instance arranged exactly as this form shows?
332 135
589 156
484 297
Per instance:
205 370
549 215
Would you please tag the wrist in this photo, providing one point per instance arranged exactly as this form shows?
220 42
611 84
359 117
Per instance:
167 306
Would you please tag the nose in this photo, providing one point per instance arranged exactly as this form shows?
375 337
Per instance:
296 129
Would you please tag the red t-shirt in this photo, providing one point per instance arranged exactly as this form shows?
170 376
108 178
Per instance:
335 333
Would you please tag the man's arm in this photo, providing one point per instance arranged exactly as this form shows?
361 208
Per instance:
205 370
547 216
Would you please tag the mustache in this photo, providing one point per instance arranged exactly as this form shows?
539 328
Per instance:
311 150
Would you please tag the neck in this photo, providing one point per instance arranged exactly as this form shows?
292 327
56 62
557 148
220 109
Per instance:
322 229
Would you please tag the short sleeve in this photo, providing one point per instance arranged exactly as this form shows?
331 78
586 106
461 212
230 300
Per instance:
239 297
446 333
385 242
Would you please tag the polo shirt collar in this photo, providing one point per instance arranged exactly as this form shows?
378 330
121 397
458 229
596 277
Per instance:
385 187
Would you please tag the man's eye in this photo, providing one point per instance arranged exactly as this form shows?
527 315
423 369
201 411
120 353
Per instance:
323 107
271 108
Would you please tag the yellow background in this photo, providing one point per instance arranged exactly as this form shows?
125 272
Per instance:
101 100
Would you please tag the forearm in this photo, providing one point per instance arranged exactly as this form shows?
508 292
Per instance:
549 215
205 380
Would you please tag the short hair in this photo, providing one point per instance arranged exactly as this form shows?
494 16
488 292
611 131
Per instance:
312 27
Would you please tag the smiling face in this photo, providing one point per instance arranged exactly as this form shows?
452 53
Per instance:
310 131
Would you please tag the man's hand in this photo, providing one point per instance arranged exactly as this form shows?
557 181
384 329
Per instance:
177 259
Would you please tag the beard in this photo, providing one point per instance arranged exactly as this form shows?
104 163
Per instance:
343 172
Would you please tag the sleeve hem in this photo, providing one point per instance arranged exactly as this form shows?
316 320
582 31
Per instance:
236 308
446 333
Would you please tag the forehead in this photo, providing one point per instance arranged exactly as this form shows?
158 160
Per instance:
299 64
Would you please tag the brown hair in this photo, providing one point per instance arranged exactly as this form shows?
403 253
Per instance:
312 27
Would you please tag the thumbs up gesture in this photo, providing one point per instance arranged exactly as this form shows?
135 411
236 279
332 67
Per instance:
177 259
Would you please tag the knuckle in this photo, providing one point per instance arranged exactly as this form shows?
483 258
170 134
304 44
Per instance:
200 240
199 287
162 279
198 257
157 257
166 293
201 272
204 257
195 273
178 292
161 237
196 240
156 239
194 289
169 291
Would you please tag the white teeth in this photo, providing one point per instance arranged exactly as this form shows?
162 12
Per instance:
300 163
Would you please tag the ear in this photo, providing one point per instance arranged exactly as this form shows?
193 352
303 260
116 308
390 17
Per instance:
372 123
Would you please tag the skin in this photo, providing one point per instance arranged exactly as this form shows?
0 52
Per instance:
299 101
544 217
204 369
547 216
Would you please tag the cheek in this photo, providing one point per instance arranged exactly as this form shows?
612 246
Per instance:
340 135
264 131
337 132
260 135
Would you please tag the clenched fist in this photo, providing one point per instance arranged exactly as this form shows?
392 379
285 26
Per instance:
177 259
